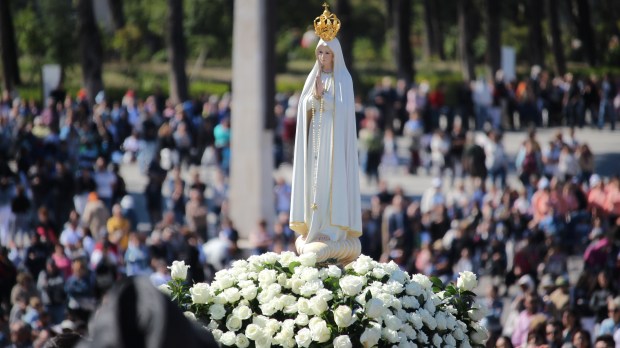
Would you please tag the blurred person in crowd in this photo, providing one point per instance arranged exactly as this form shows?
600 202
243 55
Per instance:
414 129
136 256
36 254
597 197
611 325
601 293
474 158
24 287
20 208
84 185
80 290
371 144
196 214
72 231
152 192
582 339
440 147
51 283
21 335
261 238
45 227
106 180
522 325
433 196
95 216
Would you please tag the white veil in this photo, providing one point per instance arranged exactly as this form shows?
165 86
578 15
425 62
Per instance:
345 195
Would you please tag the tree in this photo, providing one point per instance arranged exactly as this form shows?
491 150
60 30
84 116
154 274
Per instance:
534 16
10 68
493 35
434 34
401 21
175 42
118 17
556 37
91 49
580 12
465 38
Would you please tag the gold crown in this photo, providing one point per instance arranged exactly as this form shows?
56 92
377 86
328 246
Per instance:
326 26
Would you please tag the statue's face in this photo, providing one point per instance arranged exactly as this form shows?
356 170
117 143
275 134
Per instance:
325 57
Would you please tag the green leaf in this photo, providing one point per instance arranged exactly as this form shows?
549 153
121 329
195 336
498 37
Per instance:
368 295
436 282
293 265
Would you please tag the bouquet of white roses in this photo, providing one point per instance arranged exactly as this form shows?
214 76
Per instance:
285 300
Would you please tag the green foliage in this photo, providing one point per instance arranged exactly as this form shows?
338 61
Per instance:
126 42
60 40
208 24
30 36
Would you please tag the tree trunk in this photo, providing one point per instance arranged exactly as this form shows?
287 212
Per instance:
401 20
586 33
494 35
343 10
434 35
91 49
556 37
118 17
465 38
535 33
10 68
176 52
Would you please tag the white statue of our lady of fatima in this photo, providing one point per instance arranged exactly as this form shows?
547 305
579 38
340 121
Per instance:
325 200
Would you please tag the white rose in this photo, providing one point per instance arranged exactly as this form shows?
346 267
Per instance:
310 288
242 312
467 281
263 341
342 341
371 335
217 333
178 270
270 258
416 320
422 280
318 305
233 323
392 322
390 335
249 293
308 259
302 319
450 341
268 309
458 334
413 289
232 295
375 308
266 277
479 335
422 338
319 330
217 311
287 257
303 305
437 340
398 276
334 271
253 331
201 293
430 307
303 337
477 312
465 344
394 287
271 327
189 315
442 323
228 339
241 264
325 294
308 273
241 341
378 272
165 289
213 325
296 284
282 279
343 316
351 285
362 265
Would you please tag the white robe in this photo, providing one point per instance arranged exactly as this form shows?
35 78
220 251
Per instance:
337 196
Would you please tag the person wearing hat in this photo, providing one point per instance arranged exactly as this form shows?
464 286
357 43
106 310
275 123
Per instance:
541 201
560 297
96 215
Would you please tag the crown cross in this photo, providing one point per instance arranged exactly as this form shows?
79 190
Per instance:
326 26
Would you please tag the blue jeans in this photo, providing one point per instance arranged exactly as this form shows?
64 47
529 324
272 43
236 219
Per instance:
605 109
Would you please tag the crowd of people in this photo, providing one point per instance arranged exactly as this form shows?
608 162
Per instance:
70 228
